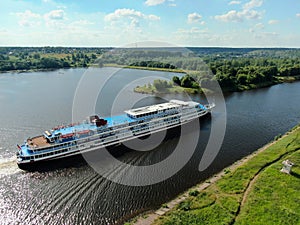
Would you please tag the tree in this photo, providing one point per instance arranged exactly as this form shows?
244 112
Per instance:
36 56
176 80
186 81
242 79
161 85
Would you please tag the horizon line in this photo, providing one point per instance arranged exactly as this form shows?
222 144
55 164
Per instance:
229 47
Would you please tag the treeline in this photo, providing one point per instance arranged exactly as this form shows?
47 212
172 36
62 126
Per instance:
185 81
43 63
50 50
238 73
153 64
27 58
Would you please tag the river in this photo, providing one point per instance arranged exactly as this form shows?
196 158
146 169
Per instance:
33 102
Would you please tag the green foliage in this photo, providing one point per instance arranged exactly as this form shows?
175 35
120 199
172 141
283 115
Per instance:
153 64
203 199
161 85
185 205
194 193
273 198
210 215
226 171
165 205
27 58
229 203
186 81
176 80
234 69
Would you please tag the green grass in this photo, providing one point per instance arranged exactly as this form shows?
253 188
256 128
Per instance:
273 198
144 68
150 89
155 69
288 79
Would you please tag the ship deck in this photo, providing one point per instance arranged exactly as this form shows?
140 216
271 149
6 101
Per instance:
41 141
119 119
37 142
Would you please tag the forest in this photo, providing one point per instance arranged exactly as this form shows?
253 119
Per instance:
43 58
234 68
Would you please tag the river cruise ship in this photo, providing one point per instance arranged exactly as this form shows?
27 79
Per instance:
96 133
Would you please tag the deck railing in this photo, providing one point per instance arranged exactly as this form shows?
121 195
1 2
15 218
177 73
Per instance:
121 134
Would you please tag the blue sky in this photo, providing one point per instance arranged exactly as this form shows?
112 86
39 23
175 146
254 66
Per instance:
102 23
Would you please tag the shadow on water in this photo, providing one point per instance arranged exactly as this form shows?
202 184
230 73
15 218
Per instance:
58 164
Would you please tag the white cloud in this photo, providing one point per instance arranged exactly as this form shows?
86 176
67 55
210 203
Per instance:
232 15
55 15
28 14
129 13
298 15
56 19
247 13
154 2
253 4
239 16
28 18
153 17
130 24
271 22
194 18
259 26
234 3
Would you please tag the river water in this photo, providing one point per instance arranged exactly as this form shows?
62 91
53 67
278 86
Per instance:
33 102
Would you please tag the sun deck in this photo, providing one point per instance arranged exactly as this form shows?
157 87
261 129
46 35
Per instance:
66 137
37 142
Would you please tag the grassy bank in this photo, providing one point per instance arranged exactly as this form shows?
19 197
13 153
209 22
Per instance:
288 79
143 68
253 191
155 69
146 89
174 89
272 198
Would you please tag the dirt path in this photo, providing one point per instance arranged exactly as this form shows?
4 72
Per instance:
149 218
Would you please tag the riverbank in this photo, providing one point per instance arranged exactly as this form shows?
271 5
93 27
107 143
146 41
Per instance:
243 193
144 68
175 89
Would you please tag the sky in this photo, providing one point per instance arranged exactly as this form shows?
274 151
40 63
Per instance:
117 23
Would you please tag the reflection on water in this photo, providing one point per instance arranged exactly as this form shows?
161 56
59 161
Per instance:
33 102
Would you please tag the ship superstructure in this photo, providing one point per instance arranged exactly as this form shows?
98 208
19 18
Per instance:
96 133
